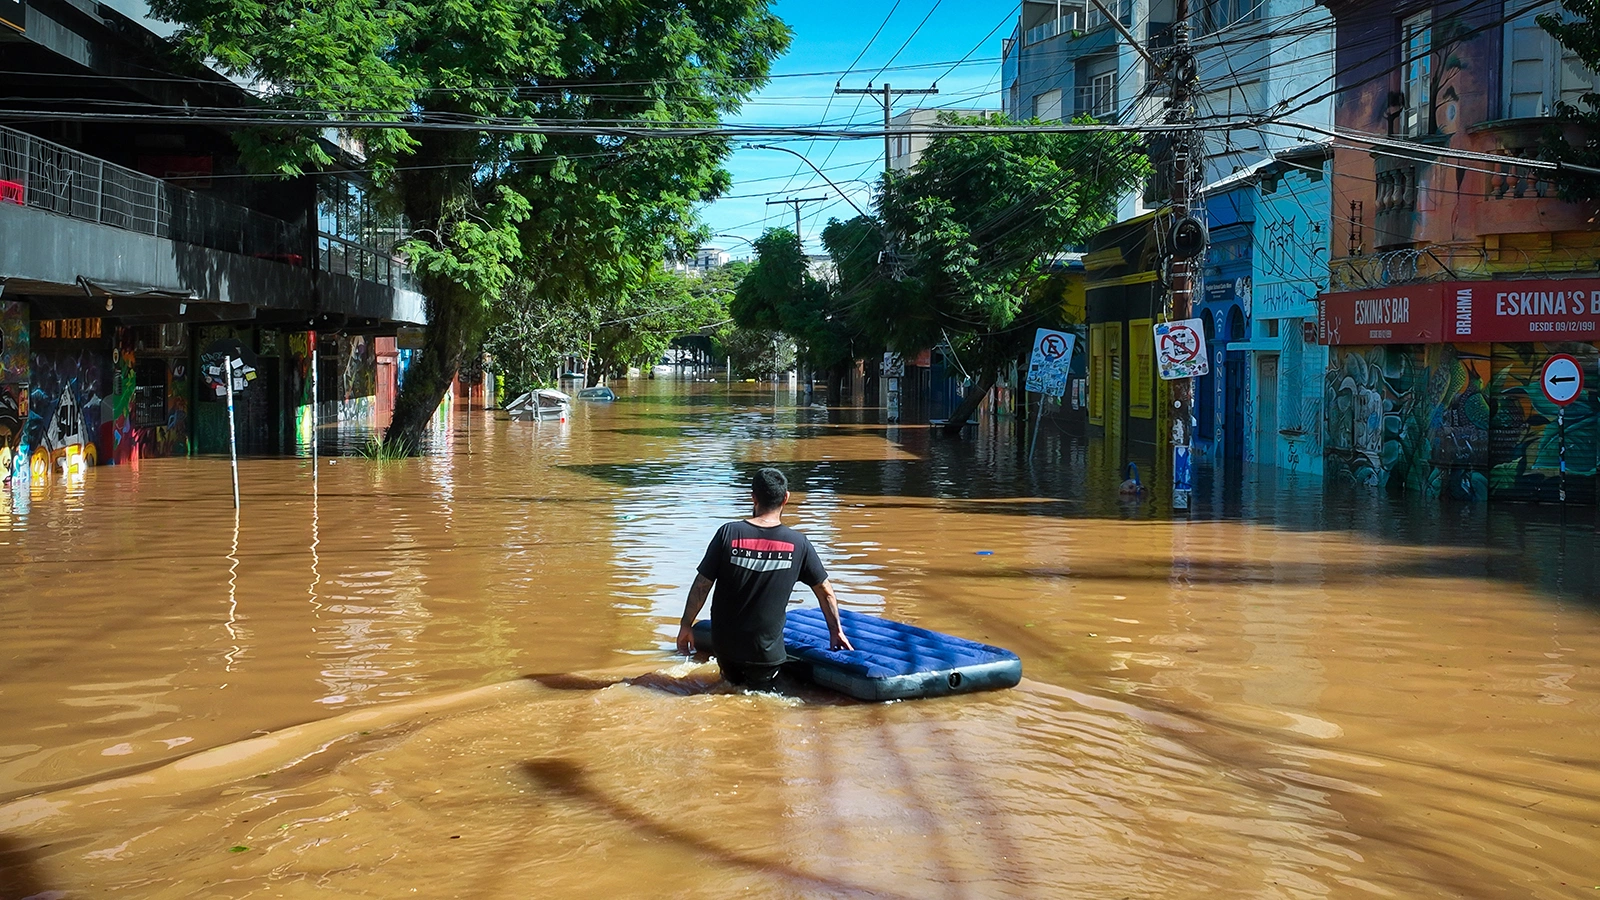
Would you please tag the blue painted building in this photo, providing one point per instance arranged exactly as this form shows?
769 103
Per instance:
1223 306
1266 264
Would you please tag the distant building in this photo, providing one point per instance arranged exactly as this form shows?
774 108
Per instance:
821 267
704 260
906 151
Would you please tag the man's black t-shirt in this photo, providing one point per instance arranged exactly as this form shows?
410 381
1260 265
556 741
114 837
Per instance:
755 570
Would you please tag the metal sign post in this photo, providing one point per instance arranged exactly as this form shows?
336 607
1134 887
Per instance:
1048 367
233 443
1181 357
315 421
1562 382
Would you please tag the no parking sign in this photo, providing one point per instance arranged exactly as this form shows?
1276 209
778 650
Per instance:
1181 349
1052 357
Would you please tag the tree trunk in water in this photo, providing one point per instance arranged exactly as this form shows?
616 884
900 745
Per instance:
969 403
452 328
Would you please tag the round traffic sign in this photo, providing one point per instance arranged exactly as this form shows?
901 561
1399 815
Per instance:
1180 344
1053 347
1562 379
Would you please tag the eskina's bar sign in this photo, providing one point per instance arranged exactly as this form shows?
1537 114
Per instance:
1400 315
1464 312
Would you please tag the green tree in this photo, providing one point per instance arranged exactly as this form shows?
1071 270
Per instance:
779 294
640 327
970 233
1574 139
572 216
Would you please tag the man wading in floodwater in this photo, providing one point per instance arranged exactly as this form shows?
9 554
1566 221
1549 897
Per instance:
754 565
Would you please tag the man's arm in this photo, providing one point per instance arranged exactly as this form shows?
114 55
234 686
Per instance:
698 592
830 611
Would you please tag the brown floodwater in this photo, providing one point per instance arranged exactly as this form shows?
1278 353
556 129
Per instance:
453 677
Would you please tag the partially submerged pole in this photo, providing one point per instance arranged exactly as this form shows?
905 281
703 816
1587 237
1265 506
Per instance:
233 443
315 421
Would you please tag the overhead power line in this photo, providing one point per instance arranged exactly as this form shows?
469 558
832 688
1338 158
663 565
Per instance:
841 132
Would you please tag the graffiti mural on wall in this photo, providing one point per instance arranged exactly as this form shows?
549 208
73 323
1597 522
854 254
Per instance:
13 385
123 383
1410 418
358 367
64 410
13 418
1458 421
1527 443
13 343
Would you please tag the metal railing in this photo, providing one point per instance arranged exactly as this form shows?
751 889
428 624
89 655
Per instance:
46 175
1071 19
339 256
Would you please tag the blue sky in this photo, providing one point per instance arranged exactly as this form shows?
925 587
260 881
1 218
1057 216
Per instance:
828 36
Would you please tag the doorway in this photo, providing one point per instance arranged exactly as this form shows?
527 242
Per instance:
1267 411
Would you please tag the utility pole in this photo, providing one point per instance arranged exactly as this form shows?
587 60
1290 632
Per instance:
1186 241
885 96
797 202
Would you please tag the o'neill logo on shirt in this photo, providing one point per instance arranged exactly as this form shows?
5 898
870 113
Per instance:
761 554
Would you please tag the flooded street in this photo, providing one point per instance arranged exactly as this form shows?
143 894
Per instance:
453 676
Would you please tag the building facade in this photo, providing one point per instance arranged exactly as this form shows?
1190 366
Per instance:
906 149
135 258
1455 280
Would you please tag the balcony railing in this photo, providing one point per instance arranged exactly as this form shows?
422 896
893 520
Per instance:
46 175
1072 19
344 257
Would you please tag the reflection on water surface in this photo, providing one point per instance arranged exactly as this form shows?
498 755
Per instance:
1292 695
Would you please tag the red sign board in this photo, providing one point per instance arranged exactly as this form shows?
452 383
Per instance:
1403 315
1545 311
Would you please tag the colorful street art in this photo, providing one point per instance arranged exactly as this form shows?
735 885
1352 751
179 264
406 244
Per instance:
13 343
1526 449
1410 418
64 410
13 387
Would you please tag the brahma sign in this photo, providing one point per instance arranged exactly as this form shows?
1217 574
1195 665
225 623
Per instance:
1464 312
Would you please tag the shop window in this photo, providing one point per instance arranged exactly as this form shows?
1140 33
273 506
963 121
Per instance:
150 392
1416 73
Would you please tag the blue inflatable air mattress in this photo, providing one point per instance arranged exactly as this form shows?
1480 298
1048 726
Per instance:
891 660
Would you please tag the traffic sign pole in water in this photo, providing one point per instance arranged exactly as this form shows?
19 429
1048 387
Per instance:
314 421
233 443
1561 379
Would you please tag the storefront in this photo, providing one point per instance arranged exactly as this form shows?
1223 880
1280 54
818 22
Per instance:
1436 388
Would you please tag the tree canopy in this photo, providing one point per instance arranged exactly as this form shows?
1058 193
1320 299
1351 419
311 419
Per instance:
962 245
1579 33
566 218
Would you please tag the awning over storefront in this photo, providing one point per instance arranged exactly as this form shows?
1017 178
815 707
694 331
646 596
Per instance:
1463 312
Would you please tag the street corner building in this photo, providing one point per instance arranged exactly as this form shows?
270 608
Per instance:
1454 278
135 257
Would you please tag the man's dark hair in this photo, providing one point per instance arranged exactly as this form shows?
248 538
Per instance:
768 487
